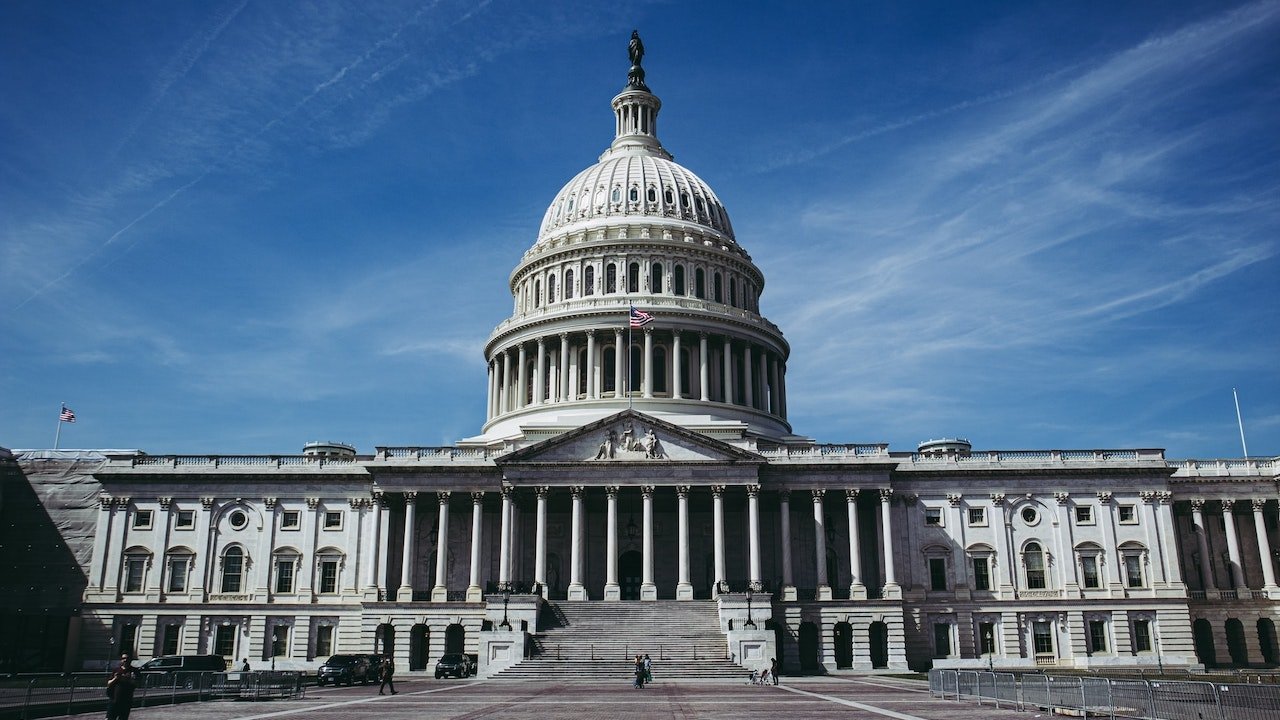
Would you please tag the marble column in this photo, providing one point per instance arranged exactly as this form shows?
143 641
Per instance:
506 381
539 381
475 593
648 591
748 396
488 410
504 542
540 541
1233 545
857 589
820 545
593 367
891 589
611 589
1169 539
646 382
704 369
621 383
753 537
440 593
728 371
562 392
522 377
577 591
1264 546
784 524
375 549
1106 512
684 588
1202 544
408 554
717 522
677 377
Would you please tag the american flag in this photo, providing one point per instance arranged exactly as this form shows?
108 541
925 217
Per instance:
67 415
640 318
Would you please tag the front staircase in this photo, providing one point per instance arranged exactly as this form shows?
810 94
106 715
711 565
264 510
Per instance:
598 641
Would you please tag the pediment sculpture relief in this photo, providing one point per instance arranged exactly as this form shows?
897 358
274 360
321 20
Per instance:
626 446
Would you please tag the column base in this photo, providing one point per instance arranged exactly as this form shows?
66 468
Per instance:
684 591
578 591
648 591
857 591
824 592
892 591
371 594
404 594
439 593
612 591
475 594
789 593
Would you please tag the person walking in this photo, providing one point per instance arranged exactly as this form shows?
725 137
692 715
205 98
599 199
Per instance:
120 687
648 668
773 670
639 683
387 671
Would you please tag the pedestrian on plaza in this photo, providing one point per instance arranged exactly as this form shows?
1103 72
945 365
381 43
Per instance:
639 683
648 668
120 687
386 672
773 669
244 665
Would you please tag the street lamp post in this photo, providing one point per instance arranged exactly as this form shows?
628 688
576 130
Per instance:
506 598
749 623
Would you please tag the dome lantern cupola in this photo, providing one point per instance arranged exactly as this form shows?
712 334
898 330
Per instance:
636 109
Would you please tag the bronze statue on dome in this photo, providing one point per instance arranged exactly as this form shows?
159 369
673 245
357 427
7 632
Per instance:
635 51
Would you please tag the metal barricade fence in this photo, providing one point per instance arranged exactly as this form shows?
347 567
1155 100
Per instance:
1035 690
1183 700
1249 702
1006 685
935 682
1065 692
1095 694
69 693
1131 699
966 684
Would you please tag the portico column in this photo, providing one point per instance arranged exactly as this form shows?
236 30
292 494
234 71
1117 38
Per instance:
684 588
506 381
704 371
1264 545
593 364
1168 539
566 369
753 536
1202 543
728 371
1233 545
1109 544
576 589
857 589
474 591
648 591
784 522
621 385
440 592
748 397
677 377
820 544
611 589
540 367
647 382
504 541
488 406
408 554
891 589
522 378
375 549
717 527
540 542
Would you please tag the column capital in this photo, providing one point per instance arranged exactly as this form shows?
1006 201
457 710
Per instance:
611 490
564 337
702 335
717 491
997 498
165 502
105 502
753 491
682 491
851 494
646 490
206 502
590 332
314 502
410 497
648 330
954 499
784 495
818 494
1165 496
1148 497
1259 504
477 497
443 496
1227 504
357 502
1104 497
542 490
1197 504
541 343
886 494
577 490
508 492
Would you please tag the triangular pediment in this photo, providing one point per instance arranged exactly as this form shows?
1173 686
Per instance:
631 437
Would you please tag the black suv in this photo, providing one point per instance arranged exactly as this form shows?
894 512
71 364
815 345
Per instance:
455 665
347 669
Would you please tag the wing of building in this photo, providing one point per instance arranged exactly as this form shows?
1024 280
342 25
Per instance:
638 488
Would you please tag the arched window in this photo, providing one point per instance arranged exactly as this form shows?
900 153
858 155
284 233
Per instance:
617 194
700 284
677 280
633 278
686 371
733 291
551 288
232 570
530 372
548 377
653 194
668 197
637 364
609 365
659 369
177 568
583 390
568 284
1033 562
284 571
328 570
634 194
655 278
718 296
136 561
589 280
537 292
611 278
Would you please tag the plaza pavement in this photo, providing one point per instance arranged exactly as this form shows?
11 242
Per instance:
855 698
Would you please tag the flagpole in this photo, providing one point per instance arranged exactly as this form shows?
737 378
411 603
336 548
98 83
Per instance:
630 308
58 435
1240 422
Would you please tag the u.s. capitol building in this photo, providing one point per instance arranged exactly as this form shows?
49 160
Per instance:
639 460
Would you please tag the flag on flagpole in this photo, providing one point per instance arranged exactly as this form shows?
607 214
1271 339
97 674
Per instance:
67 415
640 318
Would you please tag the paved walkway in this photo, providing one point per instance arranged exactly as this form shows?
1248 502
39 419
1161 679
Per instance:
862 698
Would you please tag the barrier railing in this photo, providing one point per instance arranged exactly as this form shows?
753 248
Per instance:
48 694
1126 698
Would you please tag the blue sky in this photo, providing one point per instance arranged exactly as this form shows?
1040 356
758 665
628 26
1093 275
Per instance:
236 226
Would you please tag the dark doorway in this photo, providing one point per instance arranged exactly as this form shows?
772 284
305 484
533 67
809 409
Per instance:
1235 643
879 633
418 647
1202 636
384 640
779 640
455 639
629 574
833 567
809 647
844 645
1267 641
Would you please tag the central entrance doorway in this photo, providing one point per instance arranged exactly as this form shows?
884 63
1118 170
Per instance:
629 574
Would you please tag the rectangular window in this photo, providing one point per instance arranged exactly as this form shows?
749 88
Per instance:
129 639
937 574
290 520
284 576
941 640
1142 635
978 517
1084 514
1128 514
329 576
186 520
1133 570
981 574
933 516
324 641
279 641
142 520
1089 571
135 570
224 641
177 574
333 521
1097 636
987 638
1042 637
169 641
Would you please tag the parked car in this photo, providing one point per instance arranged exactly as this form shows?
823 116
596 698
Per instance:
185 663
348 669
455 665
